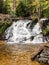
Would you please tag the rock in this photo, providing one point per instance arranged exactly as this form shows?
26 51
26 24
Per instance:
45 60
43 56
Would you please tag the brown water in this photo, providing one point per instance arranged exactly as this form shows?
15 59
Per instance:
17 54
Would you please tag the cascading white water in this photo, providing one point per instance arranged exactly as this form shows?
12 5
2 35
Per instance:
18 32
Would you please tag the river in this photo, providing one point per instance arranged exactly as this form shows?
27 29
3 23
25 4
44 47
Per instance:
18 54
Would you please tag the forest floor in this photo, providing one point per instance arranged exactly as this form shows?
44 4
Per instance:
18 54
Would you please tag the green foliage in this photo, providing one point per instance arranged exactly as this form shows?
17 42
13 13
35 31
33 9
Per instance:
46 12
45 7
27 2
42 8
4 26
23 11
4 7
39 8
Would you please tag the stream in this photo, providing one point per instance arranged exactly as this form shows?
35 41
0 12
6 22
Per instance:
21 32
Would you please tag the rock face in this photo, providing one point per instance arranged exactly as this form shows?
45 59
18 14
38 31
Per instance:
43 56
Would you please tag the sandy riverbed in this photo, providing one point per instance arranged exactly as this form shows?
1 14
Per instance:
18 54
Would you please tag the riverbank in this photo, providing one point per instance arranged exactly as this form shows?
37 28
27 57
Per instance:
18 54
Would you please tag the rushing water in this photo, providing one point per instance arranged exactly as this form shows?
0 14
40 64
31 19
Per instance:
20 32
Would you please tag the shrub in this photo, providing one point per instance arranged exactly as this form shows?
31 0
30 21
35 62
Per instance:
4 7
4 26
23 11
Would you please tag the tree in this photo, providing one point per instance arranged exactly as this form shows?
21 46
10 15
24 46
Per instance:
39 8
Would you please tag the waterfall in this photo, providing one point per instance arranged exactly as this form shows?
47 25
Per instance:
20 32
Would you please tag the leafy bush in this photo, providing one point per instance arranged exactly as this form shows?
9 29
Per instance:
23 11
4 26
46 12
4 7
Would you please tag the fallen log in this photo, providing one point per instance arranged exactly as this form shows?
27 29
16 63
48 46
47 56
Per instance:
38 53
42 55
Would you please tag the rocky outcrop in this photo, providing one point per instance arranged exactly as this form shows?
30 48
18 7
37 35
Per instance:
42 56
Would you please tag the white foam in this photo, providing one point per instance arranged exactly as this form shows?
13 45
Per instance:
17 33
